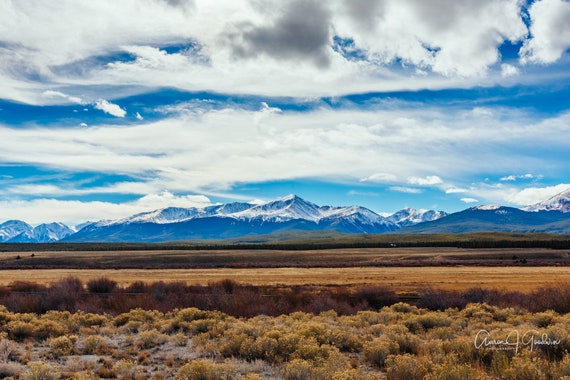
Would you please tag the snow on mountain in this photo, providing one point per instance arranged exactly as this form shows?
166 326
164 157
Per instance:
488 207
287 208
44 233
559 202
161 216
228 208
13 228
410 216
290 213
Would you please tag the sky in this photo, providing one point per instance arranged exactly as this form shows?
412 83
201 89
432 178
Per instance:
110 108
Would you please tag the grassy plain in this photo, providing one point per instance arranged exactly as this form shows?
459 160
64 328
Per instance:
403 269
402 279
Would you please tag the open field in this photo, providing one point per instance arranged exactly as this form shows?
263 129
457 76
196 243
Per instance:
401 279
403 269
274 258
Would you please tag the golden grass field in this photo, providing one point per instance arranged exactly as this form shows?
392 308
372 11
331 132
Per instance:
403 269
401 279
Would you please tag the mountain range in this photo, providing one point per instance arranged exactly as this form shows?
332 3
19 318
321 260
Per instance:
293 213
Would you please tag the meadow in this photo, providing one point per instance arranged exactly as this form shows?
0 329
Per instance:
406 310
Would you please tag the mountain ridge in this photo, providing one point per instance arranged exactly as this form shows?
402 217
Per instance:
293 213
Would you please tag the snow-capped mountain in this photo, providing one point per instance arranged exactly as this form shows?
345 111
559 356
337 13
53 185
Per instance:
290 213
44 233
559 202
13 228
283 209
410 216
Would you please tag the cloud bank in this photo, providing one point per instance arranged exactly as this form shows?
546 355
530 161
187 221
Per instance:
302 47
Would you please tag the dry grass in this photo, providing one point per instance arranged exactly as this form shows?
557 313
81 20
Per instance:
235 258
401 279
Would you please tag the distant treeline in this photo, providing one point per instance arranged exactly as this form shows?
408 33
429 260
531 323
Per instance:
470 240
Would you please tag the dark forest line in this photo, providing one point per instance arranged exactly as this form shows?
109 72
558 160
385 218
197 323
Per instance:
292 241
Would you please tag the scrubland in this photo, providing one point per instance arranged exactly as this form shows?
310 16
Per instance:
226 330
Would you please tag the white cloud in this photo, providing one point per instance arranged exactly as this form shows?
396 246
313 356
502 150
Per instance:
240 47
110 108
404 189
60 95
532 195
138 116
427 181
74 212
469 200
513 177
508 70
455 190
210 151
167 199
482 112
550 32
380 178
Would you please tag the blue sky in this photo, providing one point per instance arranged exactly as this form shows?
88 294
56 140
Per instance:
111 108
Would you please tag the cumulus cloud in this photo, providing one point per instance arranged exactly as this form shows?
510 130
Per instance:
427 181
513 177
508 70
110 108
300 30
533 195
550 31
461 41
243 46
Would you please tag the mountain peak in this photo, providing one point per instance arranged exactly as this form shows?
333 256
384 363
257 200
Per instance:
558 202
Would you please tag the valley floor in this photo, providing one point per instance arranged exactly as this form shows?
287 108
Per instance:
403 280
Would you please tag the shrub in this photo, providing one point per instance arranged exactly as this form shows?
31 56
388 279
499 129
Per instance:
439 299
250 376
63 295
526 367
298 369
84 375
126 368
94 344
41 371
61 346
8 350
10 370
346 341
377 296
151 338
405 367
103 285
45 329
201 370
455 371
427 321
378 350
180 340
20 330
